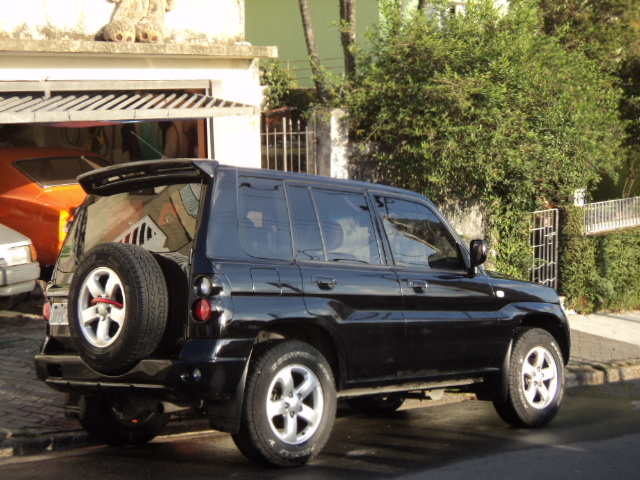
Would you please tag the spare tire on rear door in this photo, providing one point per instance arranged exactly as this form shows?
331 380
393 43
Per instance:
118 306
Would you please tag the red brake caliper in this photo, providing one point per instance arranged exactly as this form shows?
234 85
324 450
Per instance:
106 300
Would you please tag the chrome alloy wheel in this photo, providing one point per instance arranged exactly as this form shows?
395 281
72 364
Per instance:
539 377
101 307
295 405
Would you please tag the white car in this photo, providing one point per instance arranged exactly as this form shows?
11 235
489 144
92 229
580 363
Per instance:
19 269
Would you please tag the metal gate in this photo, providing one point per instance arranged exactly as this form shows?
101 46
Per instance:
543 235
287 145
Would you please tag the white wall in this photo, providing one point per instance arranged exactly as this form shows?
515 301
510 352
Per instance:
55 41
193 21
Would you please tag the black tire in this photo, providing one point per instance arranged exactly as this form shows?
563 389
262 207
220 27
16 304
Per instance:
175 267
376 404
292 379
13 301
122 293
104 420
535 380
7 303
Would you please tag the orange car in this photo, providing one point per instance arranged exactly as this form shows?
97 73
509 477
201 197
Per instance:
39 190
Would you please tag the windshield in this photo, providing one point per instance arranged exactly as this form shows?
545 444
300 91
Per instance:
56 171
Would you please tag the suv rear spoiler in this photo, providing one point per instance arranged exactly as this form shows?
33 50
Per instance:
129 176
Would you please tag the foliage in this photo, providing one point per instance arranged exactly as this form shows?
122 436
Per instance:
599 272
604 30
510 231
279 84
607 31
282 90
578 262
484 106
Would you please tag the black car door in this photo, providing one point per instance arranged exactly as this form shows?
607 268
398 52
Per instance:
345 280
451 323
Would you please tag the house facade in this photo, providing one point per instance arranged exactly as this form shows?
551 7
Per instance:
278 22
133 79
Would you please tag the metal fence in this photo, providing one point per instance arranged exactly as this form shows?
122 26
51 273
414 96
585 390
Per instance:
611 215
287 145
543 235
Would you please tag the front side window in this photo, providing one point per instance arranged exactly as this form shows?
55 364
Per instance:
417 236
263 219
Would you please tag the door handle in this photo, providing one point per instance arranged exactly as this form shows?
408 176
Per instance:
326 283
418 285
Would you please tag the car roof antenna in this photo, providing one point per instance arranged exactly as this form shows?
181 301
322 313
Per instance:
148 144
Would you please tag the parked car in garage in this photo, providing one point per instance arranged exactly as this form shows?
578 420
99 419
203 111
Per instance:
19 269
39 190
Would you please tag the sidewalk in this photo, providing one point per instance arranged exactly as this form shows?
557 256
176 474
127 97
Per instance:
606 348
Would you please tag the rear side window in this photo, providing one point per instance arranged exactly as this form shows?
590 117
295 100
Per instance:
263 219
333 226
417 236
305 225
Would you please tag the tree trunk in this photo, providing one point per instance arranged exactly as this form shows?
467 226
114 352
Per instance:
318 75
423 4
633 178
348 34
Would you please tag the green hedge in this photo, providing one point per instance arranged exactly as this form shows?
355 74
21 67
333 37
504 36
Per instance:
598 272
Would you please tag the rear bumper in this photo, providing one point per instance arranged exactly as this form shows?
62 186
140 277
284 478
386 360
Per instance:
199 374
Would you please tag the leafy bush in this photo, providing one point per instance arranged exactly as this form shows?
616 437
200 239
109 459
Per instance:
598 272
279 84
487 107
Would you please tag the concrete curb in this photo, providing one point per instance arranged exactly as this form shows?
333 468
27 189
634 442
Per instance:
578 375
27 444
21 444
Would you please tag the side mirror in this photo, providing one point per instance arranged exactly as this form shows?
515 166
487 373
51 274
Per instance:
479 249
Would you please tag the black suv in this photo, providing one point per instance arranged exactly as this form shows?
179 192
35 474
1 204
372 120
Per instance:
258 298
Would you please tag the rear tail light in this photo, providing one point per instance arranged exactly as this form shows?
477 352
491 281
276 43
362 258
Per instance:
203 286
212 301
62 227
70 217
46 311
201 310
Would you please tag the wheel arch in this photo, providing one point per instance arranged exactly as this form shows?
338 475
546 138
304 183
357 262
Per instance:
555 327
497 388
312 334
225 415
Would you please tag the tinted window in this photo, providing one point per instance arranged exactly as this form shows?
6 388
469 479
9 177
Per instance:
346 227
160 219
306 230
263 219
417 236
48 172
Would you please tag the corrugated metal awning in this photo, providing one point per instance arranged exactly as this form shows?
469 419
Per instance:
114 106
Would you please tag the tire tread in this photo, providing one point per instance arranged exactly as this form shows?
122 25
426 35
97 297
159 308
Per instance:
513 411
248 439
148 306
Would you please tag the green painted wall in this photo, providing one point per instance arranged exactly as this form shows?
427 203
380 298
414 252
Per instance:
277 22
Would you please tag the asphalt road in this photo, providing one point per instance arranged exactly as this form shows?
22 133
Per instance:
595 436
